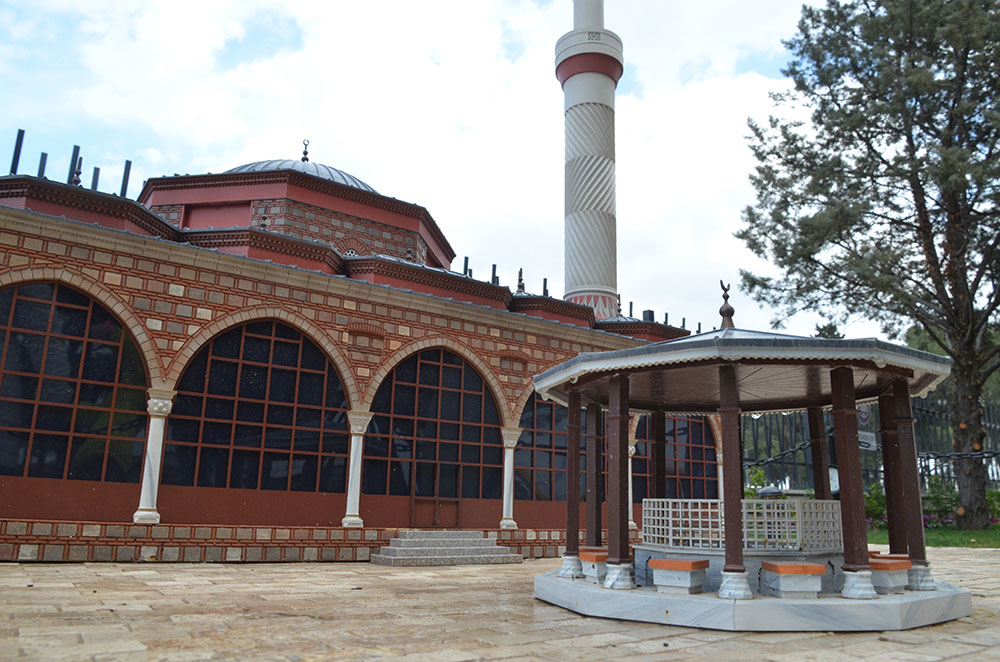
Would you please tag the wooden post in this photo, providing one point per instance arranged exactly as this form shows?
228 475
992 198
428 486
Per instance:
732 469
895 504
908 475
820 454
594 536
573 475
657 453
852 500
617 445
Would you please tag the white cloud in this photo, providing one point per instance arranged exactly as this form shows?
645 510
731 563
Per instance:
449 104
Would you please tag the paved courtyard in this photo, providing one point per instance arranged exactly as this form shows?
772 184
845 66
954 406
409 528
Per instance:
360 611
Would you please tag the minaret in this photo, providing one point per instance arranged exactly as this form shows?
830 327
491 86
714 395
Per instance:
588 65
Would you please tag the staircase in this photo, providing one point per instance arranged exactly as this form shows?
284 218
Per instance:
416 548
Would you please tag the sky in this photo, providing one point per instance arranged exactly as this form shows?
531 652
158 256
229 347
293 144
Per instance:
449 104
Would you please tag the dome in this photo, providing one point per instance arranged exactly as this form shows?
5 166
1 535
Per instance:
307 167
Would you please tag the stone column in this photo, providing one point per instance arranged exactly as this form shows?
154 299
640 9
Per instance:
618 566
857 572
594 493
571 566
159 404
895 504
510 437
820 454
920 573
631 495
734 575
358 421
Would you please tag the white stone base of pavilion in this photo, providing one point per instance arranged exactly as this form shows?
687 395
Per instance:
830 613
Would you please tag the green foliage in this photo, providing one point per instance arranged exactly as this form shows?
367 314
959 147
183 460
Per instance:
878 185
828 330
875 505
939 503
756 479
993 502
947 537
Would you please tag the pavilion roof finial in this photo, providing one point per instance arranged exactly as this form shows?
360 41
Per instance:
726 310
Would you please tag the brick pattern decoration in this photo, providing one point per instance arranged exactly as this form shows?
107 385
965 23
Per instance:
29 541
174 298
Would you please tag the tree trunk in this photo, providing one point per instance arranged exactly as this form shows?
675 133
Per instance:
969 435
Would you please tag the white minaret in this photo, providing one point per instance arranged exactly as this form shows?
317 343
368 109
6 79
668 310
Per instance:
589 64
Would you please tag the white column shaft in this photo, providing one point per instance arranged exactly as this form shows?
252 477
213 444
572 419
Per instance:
358 421
510 437
158 406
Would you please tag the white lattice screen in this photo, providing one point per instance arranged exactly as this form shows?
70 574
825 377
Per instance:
783 524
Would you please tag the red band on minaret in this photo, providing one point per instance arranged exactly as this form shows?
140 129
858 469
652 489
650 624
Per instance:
598 63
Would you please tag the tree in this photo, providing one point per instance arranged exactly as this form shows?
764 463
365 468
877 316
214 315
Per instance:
885 203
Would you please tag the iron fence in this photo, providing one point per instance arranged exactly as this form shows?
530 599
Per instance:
779 444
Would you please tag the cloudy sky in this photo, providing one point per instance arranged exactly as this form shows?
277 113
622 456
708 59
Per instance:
450 104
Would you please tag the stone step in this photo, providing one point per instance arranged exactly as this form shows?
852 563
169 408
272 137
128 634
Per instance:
398 552
441 542
438 534
413 561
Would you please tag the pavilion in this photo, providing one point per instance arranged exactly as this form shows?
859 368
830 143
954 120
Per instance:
731 372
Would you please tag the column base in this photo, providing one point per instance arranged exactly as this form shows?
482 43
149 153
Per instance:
508 523
619 576
352 522
858 586
146 516
571 567
918 578
735 586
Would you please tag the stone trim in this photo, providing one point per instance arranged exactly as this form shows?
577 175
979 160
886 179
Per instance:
81 541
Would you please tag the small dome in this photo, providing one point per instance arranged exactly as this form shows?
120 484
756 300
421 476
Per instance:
307 167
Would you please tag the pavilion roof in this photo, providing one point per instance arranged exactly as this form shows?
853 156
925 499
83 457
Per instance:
775 372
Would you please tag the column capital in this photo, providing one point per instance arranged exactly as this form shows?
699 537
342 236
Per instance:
510 436
358 420
631 449
160 401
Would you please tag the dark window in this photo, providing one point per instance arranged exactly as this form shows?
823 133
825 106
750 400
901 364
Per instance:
432 408
689 460
68 368
250 415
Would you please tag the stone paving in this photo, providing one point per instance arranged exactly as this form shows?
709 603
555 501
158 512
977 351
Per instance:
361 611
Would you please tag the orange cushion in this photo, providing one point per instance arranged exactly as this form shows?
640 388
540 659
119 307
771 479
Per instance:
793 568
678 564
889 564
594 557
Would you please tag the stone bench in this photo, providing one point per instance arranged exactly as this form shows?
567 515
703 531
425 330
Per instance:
594 565
889 575
679 575
792 580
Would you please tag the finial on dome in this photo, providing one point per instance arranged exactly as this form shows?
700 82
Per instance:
619 313
726 310
520 280
305 151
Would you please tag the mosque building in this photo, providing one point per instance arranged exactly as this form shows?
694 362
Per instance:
280 347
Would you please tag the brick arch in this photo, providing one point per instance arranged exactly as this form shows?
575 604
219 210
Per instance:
304 325
130 322
522 402
496 389
353 243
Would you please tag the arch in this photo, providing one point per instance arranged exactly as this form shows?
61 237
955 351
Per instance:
489 377
98 292
352 244
301 323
